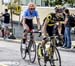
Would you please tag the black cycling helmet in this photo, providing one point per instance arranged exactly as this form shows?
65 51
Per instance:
59 9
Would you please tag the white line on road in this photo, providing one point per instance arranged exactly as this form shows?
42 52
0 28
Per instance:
5 63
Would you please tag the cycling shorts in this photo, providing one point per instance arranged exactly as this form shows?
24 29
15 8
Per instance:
50 30
29 23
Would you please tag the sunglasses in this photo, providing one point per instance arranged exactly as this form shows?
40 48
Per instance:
32 8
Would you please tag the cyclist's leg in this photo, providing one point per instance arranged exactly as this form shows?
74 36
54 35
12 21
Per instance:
49 30
25 36
59 28
60 35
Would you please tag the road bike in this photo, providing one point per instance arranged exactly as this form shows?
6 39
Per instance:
50 53
29 48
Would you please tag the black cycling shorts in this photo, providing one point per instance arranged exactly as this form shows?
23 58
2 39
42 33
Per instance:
29 22
49 30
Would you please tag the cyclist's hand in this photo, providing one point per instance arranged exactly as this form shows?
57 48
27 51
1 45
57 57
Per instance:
57 23
43 35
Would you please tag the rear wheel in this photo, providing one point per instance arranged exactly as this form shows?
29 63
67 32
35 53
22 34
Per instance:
32 51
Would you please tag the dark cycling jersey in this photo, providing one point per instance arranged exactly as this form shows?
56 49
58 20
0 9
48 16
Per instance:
50 25
50 20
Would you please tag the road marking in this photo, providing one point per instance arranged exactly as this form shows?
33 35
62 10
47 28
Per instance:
3 65
6 63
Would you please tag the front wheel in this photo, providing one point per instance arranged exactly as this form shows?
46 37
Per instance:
43 60
32 51
55 58
40 57
23 50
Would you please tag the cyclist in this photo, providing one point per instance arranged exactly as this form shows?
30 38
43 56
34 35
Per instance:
6 24
60 19
48 27
47 30
28 16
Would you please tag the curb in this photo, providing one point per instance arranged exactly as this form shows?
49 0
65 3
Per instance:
66 49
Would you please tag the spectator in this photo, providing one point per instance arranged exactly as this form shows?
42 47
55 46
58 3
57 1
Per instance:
67 32
6 16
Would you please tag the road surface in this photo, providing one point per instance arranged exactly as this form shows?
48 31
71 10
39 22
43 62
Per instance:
10 56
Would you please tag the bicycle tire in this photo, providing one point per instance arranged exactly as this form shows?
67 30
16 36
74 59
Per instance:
55 57
32 48
39 58
23 55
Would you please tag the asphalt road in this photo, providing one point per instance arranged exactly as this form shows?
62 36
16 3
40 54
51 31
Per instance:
10 56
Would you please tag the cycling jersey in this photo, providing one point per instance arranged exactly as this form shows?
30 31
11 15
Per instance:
50 20
50 25
29 15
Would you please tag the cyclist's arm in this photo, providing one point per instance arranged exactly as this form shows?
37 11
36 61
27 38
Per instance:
21 22
44 27
24 21
24 24
37 19
38 23
22 14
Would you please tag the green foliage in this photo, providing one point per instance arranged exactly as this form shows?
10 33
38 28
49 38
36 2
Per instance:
58 2
71 2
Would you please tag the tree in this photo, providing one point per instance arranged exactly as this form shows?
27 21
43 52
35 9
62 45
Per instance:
58 2
71 2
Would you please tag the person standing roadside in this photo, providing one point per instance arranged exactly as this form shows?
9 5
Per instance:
67 32
6 16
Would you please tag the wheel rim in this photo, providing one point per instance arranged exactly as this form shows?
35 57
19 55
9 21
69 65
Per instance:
56 58
40 59
22 49
32 53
